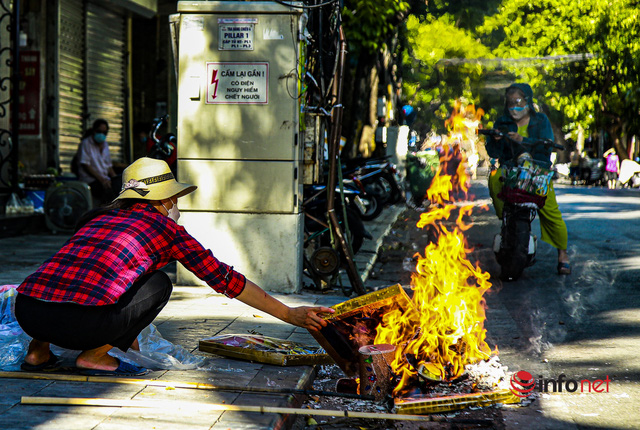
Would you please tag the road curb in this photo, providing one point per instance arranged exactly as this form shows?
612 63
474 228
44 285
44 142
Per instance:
392 215
285 422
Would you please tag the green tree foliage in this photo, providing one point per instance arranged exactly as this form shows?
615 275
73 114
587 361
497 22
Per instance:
435 71
369 23
466 14
371 29
581 57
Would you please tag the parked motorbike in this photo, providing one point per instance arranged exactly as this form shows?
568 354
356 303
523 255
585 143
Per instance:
592 171
378 176
315 210
162 147
321 259
525 187
366 204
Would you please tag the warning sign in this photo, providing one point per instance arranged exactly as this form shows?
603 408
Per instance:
235 37
236 83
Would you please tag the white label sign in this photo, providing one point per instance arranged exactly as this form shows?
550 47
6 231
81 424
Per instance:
237 83
235 37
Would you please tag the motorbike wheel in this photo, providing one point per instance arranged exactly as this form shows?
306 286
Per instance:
513 254
380 188
396 192
372 208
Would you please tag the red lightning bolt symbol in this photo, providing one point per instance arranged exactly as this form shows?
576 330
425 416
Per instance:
214 81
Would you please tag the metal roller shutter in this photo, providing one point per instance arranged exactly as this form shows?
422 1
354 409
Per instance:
71 79
105 73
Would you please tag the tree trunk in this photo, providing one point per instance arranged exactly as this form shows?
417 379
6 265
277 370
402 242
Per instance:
357 119
617 135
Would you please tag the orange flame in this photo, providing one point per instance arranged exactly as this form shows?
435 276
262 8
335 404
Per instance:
446 330
463 116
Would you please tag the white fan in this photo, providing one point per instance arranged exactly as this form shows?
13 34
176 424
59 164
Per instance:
64 203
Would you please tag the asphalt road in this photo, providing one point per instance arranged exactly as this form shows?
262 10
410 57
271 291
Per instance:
561 329
583 326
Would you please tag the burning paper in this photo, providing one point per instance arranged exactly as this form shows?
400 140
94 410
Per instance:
439 331
354 322
440 404
447 291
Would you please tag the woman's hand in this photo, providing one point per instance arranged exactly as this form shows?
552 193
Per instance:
307 317
302 316
515 137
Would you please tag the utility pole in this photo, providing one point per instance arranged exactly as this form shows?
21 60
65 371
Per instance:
334 145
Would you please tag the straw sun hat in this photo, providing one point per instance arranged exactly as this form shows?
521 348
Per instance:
151 179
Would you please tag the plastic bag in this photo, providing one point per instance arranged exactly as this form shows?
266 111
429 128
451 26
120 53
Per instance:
13 341
158 353
155 352
15 205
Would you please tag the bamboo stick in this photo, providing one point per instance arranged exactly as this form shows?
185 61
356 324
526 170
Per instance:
172 405
174 384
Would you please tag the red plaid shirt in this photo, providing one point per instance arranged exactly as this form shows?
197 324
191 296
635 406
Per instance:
106 256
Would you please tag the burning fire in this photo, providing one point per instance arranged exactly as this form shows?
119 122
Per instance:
446 330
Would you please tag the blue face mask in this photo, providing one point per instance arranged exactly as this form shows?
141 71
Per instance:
99 137
518 112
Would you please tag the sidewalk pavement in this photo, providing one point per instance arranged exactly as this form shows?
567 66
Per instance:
192 314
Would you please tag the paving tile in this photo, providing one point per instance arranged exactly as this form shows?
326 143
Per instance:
156 419
14 389
53 417
247 421
89 389
187 395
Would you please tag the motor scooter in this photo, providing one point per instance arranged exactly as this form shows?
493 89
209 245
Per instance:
378 176
524 191
163 147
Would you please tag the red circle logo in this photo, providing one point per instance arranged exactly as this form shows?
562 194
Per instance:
522 383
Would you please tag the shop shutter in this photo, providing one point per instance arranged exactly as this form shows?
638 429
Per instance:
71 79
105 73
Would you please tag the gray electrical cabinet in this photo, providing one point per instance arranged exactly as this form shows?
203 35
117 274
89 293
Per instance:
238 126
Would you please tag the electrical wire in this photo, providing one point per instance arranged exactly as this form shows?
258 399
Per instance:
316 69
315 6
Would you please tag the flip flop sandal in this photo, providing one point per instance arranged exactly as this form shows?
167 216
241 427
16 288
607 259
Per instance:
124 369
51 365
564 269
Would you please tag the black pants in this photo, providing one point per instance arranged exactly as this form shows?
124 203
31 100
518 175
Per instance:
73 326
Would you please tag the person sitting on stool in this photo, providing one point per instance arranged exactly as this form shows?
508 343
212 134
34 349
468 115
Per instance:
95 166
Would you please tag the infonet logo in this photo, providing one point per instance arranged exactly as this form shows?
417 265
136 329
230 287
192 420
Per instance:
523 384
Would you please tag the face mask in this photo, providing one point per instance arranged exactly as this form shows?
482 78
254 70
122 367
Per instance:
518 112
99 137
172 213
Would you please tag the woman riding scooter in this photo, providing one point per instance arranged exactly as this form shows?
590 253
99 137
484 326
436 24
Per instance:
525 125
